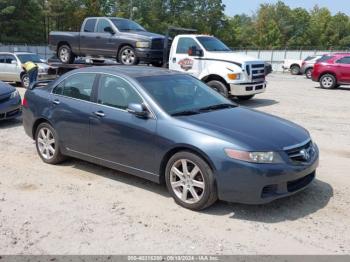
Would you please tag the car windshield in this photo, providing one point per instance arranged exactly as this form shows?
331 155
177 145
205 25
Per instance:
309 58
212 44
125 25
24 58
183 95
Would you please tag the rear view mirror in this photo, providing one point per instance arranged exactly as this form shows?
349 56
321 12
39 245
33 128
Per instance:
194 51
109 29
138 110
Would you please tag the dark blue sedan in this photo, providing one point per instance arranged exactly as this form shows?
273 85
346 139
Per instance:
10 102
170 127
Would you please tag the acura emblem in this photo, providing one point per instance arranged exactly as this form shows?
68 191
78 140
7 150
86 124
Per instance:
305 153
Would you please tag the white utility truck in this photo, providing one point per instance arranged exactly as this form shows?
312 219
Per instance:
210 60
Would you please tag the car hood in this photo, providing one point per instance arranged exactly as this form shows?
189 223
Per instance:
143 35
249 129
233 56
6 88
43 66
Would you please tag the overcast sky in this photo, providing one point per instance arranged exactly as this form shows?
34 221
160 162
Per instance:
234 7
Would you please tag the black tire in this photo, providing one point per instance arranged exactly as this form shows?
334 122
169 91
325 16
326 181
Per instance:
127 56
219 87
328 81
208 195
245 98
157 64
65 54
57 156
295 70
25 81
308 73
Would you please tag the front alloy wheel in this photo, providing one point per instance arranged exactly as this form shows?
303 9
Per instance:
25 81
127 56
190 181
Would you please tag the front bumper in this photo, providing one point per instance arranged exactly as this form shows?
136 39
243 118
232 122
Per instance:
249 183
149 55
246 89
11 108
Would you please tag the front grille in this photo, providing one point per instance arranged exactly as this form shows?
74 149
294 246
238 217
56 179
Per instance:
4 98
158 43
295 185
301 153
256 72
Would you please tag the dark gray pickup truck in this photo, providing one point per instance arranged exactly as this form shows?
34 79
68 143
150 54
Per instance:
109 37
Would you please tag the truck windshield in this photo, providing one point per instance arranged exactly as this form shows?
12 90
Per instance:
24 58
125 25
183 94
212 44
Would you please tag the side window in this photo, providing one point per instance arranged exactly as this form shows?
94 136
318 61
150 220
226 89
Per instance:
101 25
344 60
115 92
78 86
184 44
90 26
9 59
2 59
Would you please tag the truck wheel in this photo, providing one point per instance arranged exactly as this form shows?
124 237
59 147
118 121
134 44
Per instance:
219 87
328 81
308 73
190 181
127 56
295 70
244 98
65 54
25 81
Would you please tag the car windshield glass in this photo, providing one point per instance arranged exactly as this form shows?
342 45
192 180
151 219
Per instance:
183 95
124 25
24 58
309 58
324 58
212 44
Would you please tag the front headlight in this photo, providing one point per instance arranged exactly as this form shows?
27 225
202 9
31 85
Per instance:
143 44
255 157
14 94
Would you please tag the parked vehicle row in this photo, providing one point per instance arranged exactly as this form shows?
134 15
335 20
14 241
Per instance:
10 102
168 126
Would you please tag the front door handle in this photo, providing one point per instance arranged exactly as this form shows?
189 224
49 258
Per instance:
56 102
100 114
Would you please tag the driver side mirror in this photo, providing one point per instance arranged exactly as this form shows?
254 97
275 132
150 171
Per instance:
194 51
110 30
138 110
14 62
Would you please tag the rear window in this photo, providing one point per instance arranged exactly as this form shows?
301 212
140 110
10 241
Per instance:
325 58
90 25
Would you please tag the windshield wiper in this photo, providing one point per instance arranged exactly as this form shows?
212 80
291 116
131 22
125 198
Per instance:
217 107
186 113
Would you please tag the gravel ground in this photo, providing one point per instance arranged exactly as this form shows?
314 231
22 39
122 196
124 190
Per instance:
81 208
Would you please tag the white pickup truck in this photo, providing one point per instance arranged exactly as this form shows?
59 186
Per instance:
208 59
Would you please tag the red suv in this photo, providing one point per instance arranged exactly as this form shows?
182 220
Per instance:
332 70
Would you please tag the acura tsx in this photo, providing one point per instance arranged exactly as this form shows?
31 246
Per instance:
169 127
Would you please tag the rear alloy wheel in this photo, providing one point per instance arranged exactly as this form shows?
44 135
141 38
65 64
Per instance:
328 81
244 98
47 144
219 87
127 56
295 70
308 73
190 181
65 54
25 81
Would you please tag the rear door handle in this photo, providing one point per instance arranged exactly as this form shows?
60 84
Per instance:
56 102
100 114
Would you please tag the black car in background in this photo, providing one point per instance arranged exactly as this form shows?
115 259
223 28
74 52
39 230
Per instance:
10 102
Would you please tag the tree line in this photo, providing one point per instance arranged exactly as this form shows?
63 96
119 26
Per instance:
272 26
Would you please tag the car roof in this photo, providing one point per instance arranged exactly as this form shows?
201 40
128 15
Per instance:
130 71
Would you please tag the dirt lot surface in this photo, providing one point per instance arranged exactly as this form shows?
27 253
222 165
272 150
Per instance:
81 208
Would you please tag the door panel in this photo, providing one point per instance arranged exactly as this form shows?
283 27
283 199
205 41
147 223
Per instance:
343 66
116 135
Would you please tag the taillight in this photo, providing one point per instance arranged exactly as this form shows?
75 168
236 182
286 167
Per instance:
24 102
